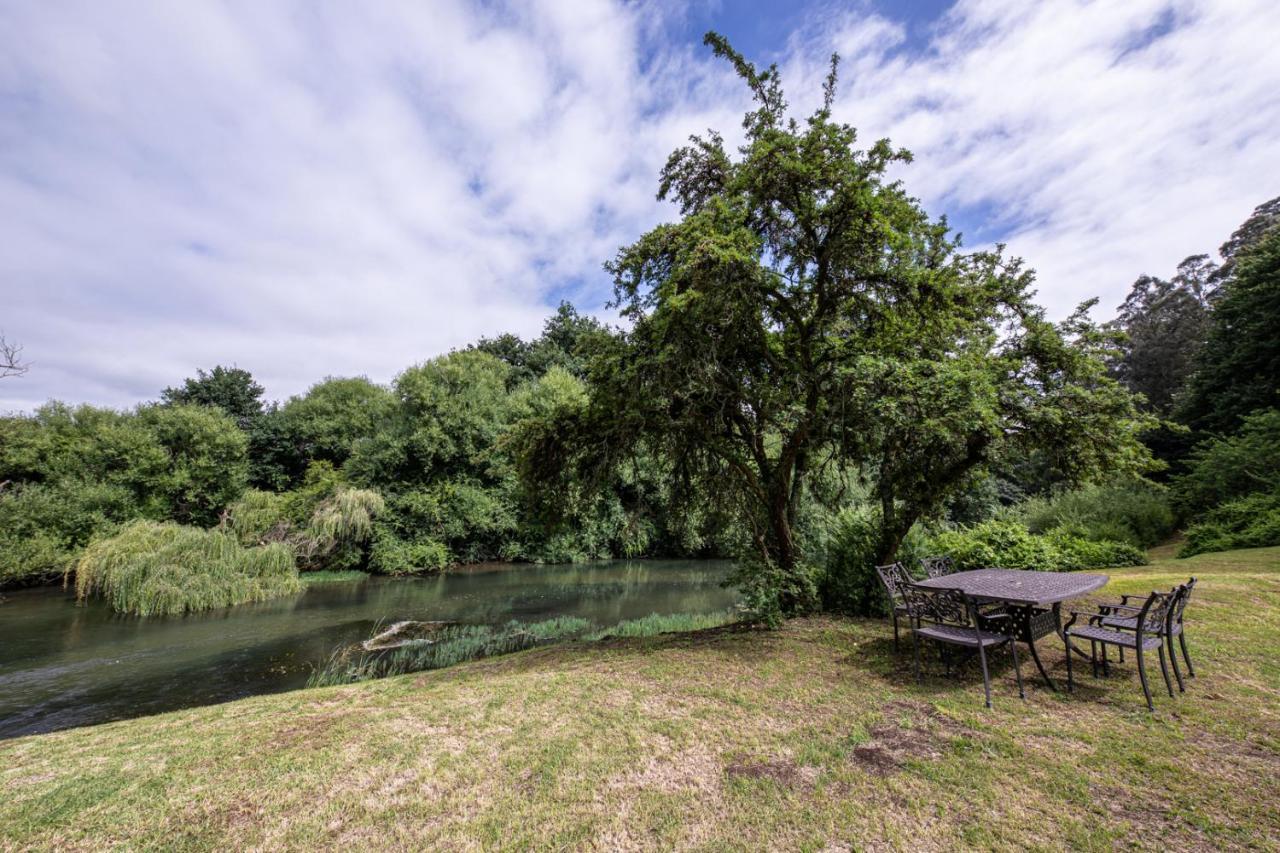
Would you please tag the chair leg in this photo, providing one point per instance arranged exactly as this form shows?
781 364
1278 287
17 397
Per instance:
895 632
1182 640
1164 670
1013 650
915 650
1122 654
1177 671
986 678
1066 638
1106 662
1142 676
1093 658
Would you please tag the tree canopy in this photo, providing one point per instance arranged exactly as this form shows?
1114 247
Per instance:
1238 369
805 315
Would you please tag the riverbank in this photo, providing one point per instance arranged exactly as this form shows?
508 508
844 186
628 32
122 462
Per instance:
811 736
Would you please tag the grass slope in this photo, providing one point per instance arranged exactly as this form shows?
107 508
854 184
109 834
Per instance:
808 737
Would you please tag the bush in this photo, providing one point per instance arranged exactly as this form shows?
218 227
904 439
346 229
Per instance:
1249 522
395 556
43 526
151 568
848 582
1133 512
325 523
1008 544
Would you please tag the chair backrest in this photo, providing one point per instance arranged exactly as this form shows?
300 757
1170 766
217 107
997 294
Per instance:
1154 616
936 567
941 606
893 576
1181 596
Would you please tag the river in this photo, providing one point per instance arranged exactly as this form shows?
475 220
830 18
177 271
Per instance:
64 664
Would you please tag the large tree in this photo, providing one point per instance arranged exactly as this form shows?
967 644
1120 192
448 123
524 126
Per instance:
806 315
1238 369
1165 323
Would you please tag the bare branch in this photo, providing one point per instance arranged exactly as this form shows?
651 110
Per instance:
11 363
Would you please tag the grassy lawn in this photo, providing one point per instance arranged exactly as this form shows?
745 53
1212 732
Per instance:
811 737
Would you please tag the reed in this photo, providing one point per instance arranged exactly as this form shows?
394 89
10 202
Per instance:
160 568
460 643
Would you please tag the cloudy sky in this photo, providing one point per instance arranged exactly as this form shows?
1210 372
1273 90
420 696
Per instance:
310 188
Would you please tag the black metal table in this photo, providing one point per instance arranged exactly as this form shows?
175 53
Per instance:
1033 599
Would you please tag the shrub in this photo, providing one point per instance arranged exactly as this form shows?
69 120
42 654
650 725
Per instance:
326 527
152 568
848 582
43 526
395 556
1248 522
1133 512
1008 544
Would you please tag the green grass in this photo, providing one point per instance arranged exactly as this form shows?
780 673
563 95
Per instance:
810 737
347 576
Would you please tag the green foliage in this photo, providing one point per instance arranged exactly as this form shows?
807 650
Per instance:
1125 511
230 389
336 415
564 338
1238 369
1165 323
849 583
1229 467
393 555
1249 522
1009 545
152 568
804 312
43 526
326 523
207 461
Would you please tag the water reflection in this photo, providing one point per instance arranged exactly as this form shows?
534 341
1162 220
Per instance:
63 664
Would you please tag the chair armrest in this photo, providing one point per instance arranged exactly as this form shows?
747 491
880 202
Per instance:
1091 618
1106 608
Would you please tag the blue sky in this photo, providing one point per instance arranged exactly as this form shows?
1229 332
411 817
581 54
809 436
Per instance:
325 188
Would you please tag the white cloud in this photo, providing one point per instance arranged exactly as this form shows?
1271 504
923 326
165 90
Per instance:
308 189
1096 146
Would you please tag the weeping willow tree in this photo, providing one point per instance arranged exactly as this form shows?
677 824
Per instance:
159 568
318 533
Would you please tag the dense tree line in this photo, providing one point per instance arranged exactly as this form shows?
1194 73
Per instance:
441 448
1203 352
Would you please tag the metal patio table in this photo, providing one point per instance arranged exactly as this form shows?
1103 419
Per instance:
1033 599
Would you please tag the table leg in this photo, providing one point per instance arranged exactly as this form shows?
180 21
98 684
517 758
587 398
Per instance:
1026 614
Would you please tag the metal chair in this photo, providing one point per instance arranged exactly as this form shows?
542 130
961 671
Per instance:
936 567
951 617
1119 616
894 576
1149 629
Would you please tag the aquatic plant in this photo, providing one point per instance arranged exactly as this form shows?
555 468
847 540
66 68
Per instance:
454 644
153 568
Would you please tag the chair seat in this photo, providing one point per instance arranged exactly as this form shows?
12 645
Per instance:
1130 623
1115 638
960 636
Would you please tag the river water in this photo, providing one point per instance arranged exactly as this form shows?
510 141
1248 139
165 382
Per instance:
64 664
